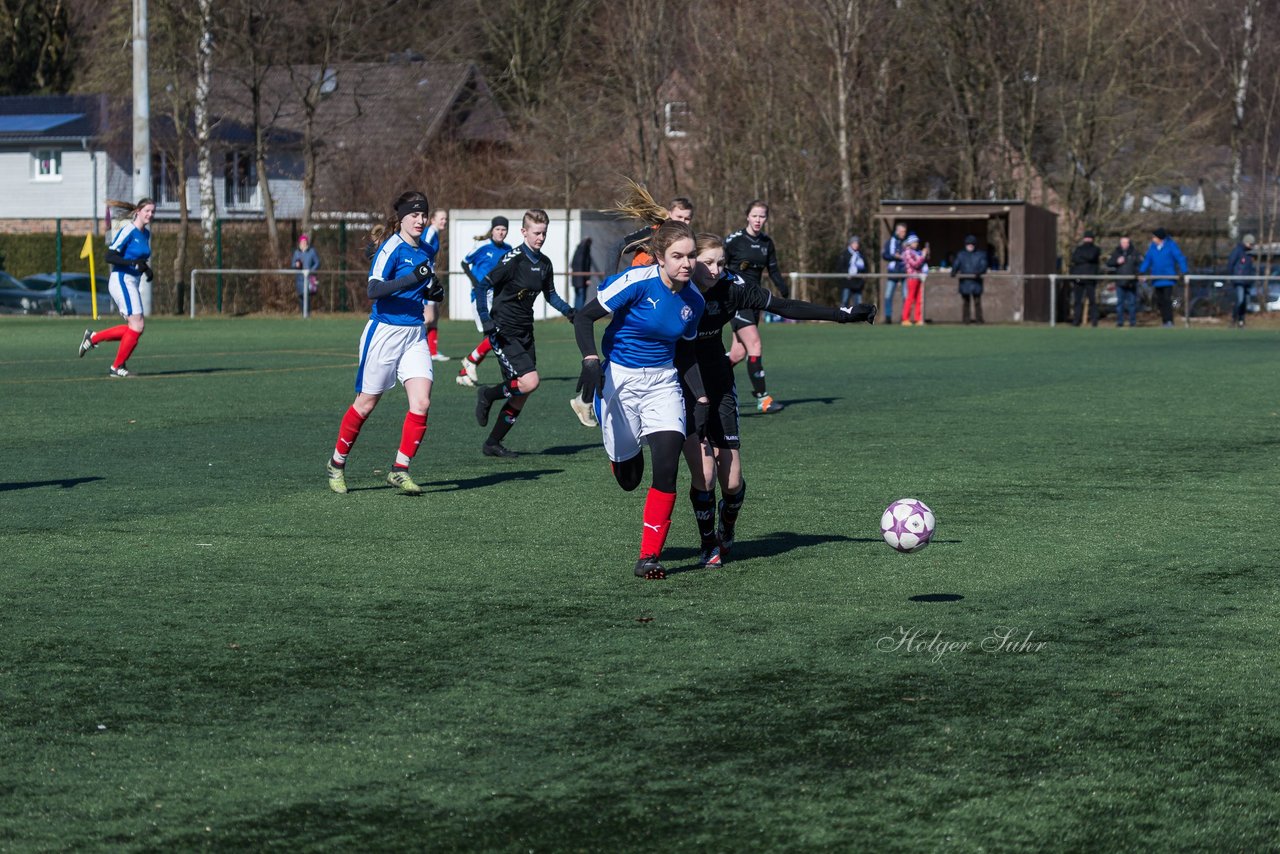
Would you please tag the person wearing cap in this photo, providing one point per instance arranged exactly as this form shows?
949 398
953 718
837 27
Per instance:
853 265
969 267
1086 259
306 259
1123 261
477 265
1240 263
915 265
1163 262
393 347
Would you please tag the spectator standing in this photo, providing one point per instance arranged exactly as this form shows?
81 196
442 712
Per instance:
915 265
853 265
1123 261
1086 260
1240 263
582 265
970 266
1163 261
892 255
306 259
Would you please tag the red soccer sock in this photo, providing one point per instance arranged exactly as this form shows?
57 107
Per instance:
433 336
482 349
657 521
352 421
415 427
115 333
128 341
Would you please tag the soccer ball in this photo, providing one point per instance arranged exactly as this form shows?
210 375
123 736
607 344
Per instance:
907 525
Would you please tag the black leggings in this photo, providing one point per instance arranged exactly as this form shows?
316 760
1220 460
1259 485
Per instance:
666 447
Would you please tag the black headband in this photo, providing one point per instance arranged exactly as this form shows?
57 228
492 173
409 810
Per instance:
413 206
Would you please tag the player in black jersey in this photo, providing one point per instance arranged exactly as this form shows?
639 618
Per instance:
748 253
515 283
712 445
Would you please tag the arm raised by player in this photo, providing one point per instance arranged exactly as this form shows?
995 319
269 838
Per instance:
751 297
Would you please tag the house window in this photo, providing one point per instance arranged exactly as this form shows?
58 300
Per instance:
165 180
240 177
46 164
676 116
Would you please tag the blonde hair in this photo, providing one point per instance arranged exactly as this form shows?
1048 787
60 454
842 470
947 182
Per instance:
534 215
130 208
638 204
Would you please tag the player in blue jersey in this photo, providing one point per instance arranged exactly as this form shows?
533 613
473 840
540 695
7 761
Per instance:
637 391
436 225
516 282
128 253
715 447
477 265
393 345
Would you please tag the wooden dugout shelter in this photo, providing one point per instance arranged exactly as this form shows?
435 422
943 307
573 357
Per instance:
1023 239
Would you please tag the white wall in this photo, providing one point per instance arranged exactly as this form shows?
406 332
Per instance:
563 233
71 197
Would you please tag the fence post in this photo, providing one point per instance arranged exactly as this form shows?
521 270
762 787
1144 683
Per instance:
57 276
1053 300
217 230
342 263
1186 302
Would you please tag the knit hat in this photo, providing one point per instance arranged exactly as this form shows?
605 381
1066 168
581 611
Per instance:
1249 240
1088 235
911 238
500 221
969 238
1160 234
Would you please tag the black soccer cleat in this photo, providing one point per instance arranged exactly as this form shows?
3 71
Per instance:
483 405
496 449
709 555
649 569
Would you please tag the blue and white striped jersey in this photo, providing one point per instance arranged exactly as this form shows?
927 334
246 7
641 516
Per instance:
134 244
648 318
396 258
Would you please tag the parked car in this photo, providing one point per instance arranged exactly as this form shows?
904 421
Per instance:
17 298
1107 300
75 292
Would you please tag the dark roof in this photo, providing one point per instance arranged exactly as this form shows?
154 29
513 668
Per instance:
51 118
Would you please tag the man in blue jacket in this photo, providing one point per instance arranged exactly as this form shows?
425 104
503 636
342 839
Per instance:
1163 261
892 255
1240 263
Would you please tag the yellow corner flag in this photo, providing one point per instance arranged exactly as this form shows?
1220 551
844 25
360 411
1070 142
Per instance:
87 252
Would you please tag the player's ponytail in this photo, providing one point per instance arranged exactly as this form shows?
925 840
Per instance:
129 208
638 204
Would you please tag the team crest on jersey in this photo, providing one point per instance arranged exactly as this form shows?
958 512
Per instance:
686 313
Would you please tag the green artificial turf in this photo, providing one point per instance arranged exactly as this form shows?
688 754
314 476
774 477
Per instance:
204 647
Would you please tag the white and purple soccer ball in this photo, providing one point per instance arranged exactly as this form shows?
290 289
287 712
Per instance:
907 525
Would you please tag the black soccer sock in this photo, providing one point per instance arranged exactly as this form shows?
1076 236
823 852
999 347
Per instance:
755 371
495 393
730 506
704 510
506 420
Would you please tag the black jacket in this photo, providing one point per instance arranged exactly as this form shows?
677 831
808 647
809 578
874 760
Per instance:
1085 260
970 265
1129 267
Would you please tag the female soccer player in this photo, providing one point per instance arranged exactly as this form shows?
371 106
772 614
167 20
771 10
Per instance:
748 253
394 343
516 282
638 399
438 222
128 254
715 448
477 265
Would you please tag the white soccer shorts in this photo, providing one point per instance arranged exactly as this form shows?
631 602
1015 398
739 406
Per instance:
124 292
635 403
389 353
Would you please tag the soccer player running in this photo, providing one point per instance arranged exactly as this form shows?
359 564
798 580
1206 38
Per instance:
637 204
393 345
748 253
637 391
477 265
712 448
128 254
516 282
436 225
